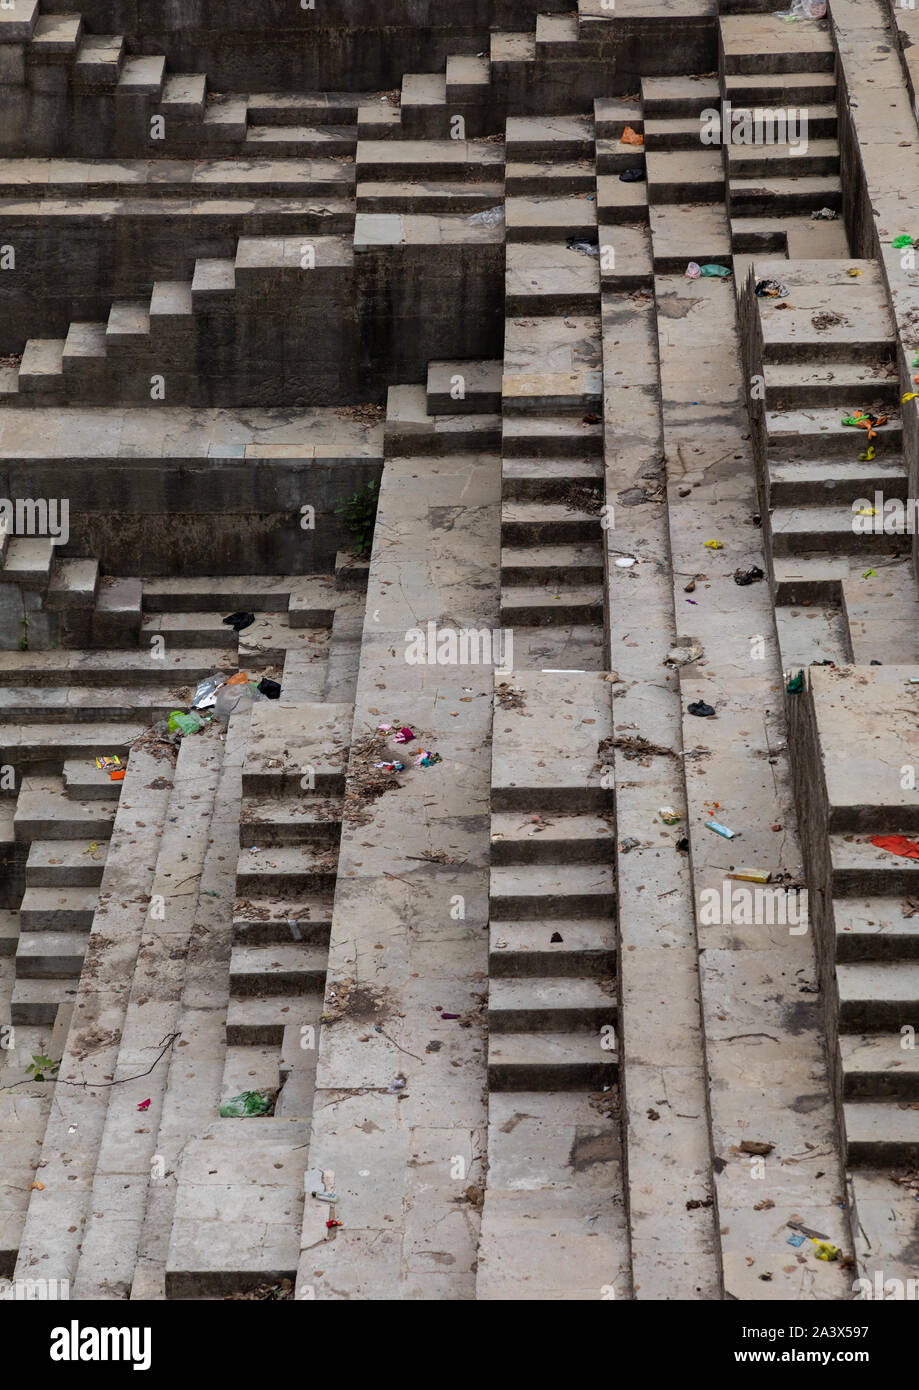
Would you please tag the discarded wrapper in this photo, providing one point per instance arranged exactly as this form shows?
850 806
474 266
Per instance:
668 815
751 875
720 829
107 761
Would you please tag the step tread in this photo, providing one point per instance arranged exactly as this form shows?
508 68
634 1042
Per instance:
537 1047
893 981
551 880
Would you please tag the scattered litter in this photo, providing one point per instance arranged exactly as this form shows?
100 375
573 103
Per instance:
405 735
238 621
144 1105
756 1146
803 9
632 176
720 829
426 758
395 766
631 137
750 576
715 272
795 685
864 420
489 217
451 1016
36 1187
332 1225
270 689
245 1105
902 240
853 271
586 248
184 723
683 656
107 761
668 815
628 844
692 271
91 848
206 691
794 1225
825 1250
870 574
796 1240
770 289
868 455
555 938
625 562
714 545
824 215
751 875
701 710
897 844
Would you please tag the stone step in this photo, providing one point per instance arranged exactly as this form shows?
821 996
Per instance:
42 364
781 89
619 202
306 108
154 179
288 969
261 921
284 749
874 929
256 1021
806 483
36 1001
675 98
213 282
171 306
45 812
819 158
142 77
28 562
65 863
530 435
286 870
876 996
880 1134
322 141
547 218
381 160
128 323
225 119
534 1005
526 947
83 781
540 177
73 586
188 629
819 430
544 564
830 383
552 890
549 1062
555 604
43 743
860 868
685 176
551 480
109 669
547 524
467 78
275 821
777 196
465 388
875 1066
431 197
542 137
9 932
54 955
57 909
538 839
613 114
50 704
830 530
758 44
53 36
99 60
673 133
184 96
253 593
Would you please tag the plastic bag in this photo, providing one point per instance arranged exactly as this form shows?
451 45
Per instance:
206 692
245 1105
489 217
233 697
184 723
803 9
715 272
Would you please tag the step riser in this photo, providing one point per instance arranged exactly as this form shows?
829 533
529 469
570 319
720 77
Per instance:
880 1085
536 305
267 833
784 493
84 829
543 851
573 799
283 783
226 639
765 202
877 883
27 1014
891 1154
694 191
552 1020
793 166
537 185
256 1035
61 919
755 64
56 967
876 946
465 200
577 1076
776 95
552 446
510 909
73 876
847 444
546 574
551 532
398 172
875 1015
286 982
811 396
874 820
279 933
560 614
282 884
555 964
809 352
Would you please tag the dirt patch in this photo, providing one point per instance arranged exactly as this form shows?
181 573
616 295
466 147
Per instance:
827 318
578 498
265 1293
358 1003
370 414
366 782
509 698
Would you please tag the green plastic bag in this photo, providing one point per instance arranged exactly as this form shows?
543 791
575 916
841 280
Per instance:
244 1106
902 240
184 723
715 272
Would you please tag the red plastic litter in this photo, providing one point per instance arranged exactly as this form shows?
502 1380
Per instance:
897 844
144 1105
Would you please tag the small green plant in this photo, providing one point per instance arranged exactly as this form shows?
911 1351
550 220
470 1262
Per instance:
40 1065
24 639
360 514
